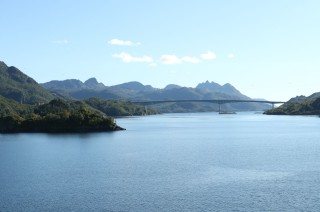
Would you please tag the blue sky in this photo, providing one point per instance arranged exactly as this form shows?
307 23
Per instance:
268 49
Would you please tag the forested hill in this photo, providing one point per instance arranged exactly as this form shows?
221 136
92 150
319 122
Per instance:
10 107
17 86
299 105
57 116
25 106
65 116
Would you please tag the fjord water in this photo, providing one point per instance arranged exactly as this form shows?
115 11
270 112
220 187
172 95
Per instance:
171 162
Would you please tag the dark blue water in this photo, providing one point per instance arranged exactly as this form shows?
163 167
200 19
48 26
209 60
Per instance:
174 162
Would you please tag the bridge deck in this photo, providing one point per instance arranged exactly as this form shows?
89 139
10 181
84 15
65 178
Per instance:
217 101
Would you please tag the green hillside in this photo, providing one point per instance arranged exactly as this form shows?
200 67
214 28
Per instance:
305 106
57 116
11 107
17 86
118 108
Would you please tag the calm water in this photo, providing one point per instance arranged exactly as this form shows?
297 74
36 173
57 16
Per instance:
174 162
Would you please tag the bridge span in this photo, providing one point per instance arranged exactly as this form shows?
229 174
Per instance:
215 101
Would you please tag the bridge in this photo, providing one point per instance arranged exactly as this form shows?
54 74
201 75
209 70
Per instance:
215 101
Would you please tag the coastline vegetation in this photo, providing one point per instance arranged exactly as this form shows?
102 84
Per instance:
308 106
57 116
118 108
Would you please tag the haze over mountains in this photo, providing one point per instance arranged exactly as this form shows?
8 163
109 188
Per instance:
17 89
143 92
17 86
136 91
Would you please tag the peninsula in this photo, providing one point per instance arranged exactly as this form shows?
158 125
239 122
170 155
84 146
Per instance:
57 116
300 105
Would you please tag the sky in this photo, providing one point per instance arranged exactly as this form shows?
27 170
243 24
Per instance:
266 49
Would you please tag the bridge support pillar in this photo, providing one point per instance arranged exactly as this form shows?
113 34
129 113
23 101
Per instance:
272 105
219 108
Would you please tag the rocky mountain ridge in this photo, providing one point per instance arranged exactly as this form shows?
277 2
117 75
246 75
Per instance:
136 91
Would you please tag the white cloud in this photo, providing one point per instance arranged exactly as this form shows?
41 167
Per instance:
170 59
119 42
208 56
127 58
190 59
64 41
231 56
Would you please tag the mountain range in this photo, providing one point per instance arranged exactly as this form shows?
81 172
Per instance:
136 91
16 85
19 95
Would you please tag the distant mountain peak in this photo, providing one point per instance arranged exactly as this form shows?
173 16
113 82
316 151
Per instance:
2 64
74 84
172 86
94 84
228 85
215 87
208 86
134 85
71 84
207 82
92 80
